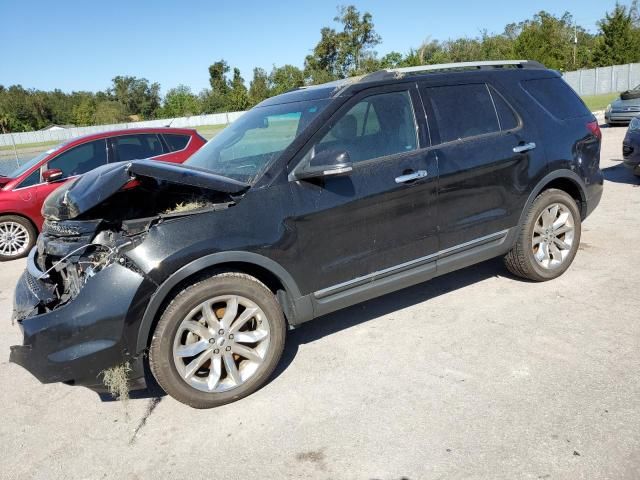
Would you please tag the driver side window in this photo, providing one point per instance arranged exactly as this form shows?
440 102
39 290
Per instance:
80 159
377 126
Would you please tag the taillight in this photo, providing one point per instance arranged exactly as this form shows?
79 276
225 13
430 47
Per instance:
594 128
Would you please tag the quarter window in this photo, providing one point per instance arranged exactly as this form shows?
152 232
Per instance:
32 179
81 159
377 126
462 111
557 97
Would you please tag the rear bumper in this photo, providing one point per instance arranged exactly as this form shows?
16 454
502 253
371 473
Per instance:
620 117
75 342
594 193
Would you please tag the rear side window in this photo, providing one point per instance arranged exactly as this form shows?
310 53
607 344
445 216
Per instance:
462 111
556 97
135 147
176 142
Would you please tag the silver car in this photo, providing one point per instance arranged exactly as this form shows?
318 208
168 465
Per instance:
624 109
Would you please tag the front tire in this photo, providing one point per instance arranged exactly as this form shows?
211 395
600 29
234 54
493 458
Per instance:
218 340
17 237
549 238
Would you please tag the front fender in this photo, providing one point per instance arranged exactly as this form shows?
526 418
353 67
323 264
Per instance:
299 307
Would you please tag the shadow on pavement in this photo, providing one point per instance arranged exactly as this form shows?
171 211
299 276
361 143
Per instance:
363 312
620 174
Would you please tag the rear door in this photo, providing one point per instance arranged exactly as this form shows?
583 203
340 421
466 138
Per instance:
136 147
486 154
372 222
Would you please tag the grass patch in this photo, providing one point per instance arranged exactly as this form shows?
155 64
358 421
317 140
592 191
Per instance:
20 146
116 379
187 207
209 131
599 102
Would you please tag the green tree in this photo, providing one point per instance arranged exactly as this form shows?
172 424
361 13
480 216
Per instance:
216 99
322 65
620 39
259 86
180 102
84 112
109 111
136 96
550 40
285 78
340 54
238 94
357 38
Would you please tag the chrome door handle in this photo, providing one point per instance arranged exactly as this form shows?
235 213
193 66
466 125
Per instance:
524 148
411 176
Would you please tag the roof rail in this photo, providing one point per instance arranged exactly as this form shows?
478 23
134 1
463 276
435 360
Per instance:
468 65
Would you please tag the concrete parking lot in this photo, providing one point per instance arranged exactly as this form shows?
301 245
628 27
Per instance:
472 375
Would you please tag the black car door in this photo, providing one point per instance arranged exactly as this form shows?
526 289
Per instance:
373 221
486 155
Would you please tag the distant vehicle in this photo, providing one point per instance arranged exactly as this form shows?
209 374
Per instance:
624 109
312 201
23 191
631 147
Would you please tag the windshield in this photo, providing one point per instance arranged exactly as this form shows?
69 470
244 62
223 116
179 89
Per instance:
30 163
246 147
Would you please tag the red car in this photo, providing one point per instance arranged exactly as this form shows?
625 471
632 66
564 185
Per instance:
23 191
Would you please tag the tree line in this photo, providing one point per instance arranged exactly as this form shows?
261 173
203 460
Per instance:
345 49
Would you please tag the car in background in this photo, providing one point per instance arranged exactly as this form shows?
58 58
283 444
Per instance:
631 147
24 190
624 109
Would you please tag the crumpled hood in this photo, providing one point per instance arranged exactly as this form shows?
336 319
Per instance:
94 187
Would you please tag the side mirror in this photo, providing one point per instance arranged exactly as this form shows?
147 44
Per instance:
328 163
52 175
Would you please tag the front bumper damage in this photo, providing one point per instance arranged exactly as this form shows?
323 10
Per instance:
75 342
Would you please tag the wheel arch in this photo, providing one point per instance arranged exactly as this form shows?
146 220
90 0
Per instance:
21 215
564 180
269 272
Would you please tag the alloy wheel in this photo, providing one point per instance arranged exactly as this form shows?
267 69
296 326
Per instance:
221 343
14 239
553 236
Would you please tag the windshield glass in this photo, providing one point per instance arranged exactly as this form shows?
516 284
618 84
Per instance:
246 147
30 163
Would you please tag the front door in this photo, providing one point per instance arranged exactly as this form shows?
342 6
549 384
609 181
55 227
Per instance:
371 222
73 162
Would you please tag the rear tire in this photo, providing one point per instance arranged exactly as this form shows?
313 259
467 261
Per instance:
17 237
218 340
549 238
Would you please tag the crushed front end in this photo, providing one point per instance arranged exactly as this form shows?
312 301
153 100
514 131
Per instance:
81 298
72 303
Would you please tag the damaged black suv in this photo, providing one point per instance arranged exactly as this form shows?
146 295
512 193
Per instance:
312 201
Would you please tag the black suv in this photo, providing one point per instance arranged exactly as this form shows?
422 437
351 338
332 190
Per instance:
312 201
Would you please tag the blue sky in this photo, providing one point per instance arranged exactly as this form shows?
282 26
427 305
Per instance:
75 45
